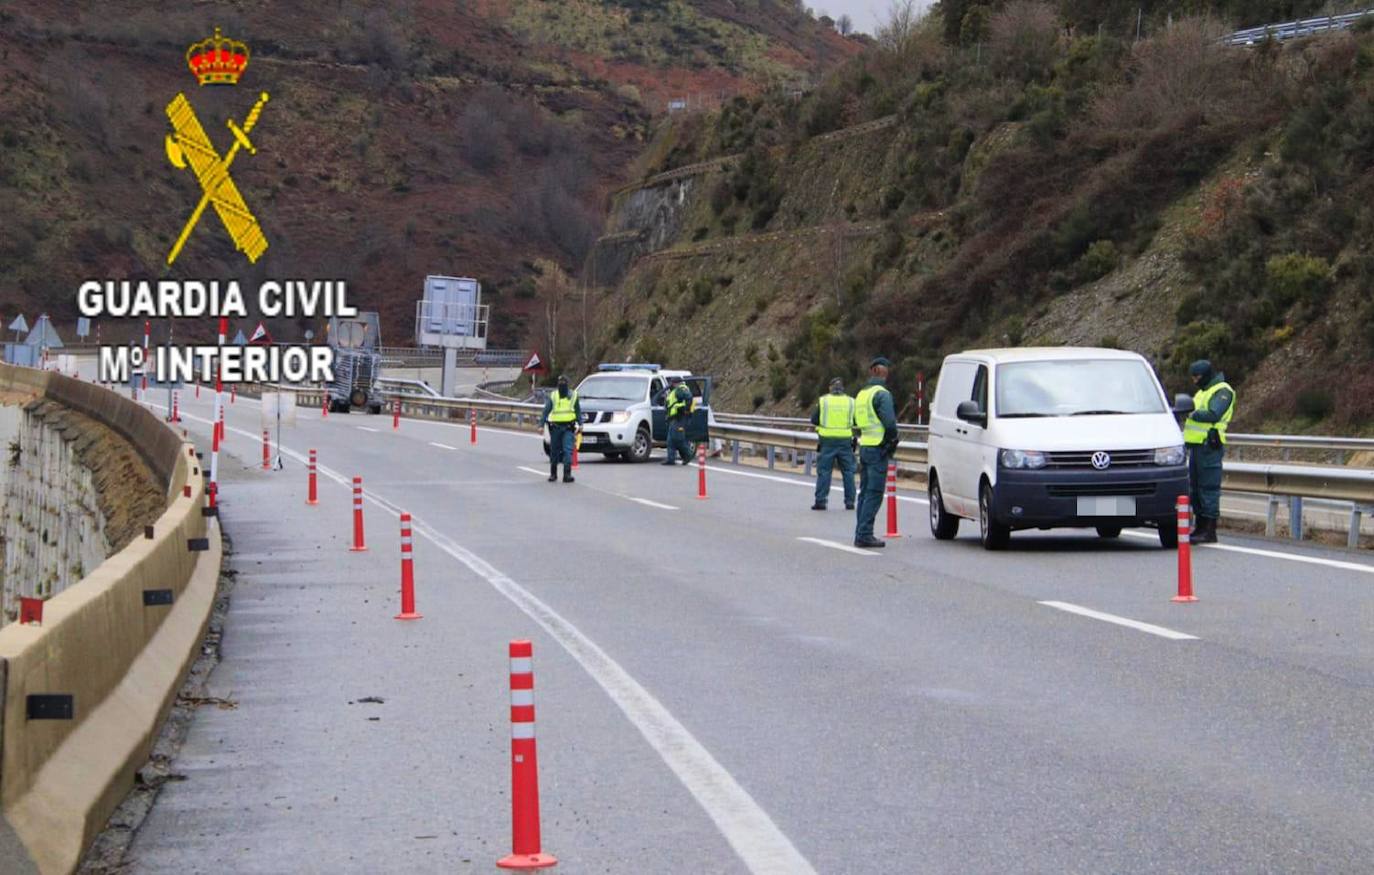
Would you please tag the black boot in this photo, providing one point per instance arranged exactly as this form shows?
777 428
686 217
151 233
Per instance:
567 474
1206 530
553 472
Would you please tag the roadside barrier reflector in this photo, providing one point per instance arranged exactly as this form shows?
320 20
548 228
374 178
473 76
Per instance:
524 770
358 545
408 611
1185 552
892 501
30 611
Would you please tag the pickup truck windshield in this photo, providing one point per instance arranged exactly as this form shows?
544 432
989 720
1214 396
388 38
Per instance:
613 389
1076 387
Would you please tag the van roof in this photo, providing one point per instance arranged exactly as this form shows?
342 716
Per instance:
1048 353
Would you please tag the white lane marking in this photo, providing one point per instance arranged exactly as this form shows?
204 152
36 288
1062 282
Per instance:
533 471
1121 621
441 446
1270 554
836 545
834 487
758 841
364 428
649 503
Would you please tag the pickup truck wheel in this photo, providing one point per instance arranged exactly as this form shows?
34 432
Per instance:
993 534
643 445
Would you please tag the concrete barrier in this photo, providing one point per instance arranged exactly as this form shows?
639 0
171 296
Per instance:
111 642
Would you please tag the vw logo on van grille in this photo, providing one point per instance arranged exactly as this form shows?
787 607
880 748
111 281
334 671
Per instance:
1101 461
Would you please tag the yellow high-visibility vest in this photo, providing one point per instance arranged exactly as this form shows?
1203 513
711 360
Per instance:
563 407
1195 432
837 416
866 419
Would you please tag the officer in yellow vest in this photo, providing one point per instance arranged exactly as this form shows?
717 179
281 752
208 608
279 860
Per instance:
1205 434
563 416
875 418
834 422
678 404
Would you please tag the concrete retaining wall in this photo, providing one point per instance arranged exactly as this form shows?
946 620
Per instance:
119 658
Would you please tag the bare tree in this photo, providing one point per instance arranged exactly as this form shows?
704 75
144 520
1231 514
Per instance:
845 25
1023 39
897 33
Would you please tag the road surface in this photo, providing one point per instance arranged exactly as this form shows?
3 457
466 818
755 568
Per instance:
726 686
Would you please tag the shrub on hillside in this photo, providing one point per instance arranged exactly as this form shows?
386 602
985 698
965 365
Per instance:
1100 260
1295 278
1023 40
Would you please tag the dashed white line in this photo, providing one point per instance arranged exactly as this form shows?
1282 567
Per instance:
441 446
795 482
1121 621
364 428
649 503
533 471
836 545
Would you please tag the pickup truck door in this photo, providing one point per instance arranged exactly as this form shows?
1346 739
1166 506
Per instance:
698 425
660 413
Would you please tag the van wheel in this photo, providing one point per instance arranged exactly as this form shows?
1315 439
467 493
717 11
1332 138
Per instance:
993 534
643 445
1168 533
943 524
1109 531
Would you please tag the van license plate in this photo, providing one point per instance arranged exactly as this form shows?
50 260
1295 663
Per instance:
1106 505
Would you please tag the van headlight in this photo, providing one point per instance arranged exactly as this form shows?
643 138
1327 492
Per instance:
1022 459
1169 455
620 417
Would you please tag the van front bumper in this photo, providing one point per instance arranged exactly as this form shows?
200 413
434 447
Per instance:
1050 497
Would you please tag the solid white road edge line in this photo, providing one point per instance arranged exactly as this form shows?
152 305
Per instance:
763 848
1269 554
836 545
834 487
1121 621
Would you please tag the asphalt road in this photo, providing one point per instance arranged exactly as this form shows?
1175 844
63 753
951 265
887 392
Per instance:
717 694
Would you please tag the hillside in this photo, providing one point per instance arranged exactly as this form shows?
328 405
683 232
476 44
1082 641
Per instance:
1032 186
405 139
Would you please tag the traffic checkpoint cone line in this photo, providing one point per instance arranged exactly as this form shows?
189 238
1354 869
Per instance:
312 494
892 501
359 545
408 611
1185 552
524 771
701 471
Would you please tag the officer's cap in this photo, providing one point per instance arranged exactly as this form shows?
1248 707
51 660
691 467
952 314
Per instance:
1200 368
836 384
880 360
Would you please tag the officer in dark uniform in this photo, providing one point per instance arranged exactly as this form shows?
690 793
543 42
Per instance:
875 418
563 416
677 403
834 422
1205 434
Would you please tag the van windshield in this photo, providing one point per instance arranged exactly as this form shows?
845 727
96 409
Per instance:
1077 387
613 388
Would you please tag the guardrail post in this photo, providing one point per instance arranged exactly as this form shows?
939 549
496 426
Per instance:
771 456
734 452
1353 540
1271 515
1295 517
809 456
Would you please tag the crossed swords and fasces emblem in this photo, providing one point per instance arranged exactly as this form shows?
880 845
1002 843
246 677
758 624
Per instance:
189 145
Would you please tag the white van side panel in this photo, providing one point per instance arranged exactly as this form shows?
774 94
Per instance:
950 453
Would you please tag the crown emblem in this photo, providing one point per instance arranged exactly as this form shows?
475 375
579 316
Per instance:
217 60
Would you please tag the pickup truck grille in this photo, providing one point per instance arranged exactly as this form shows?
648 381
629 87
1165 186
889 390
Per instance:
1084 459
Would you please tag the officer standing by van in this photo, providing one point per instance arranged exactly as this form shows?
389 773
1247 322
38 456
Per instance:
1205 434
876 420
834 422
677 403
563 416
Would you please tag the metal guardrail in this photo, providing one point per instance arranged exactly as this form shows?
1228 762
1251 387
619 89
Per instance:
1292 29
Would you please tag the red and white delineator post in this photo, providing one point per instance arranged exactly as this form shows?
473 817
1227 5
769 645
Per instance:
524 770
701 470
312 494
408 611
396 414
217 419
266 450
359 546
1185 551
472 419
892 501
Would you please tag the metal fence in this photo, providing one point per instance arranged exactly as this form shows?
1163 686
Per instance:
1293 29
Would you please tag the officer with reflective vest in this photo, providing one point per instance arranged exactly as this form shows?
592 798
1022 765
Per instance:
876 420
1205 434
678 403
563 416
834 421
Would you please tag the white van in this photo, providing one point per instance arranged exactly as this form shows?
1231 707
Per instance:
1054 437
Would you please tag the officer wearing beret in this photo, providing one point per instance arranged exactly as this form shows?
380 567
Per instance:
875 418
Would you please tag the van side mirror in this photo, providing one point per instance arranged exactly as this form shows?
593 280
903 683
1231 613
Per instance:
1183 405
969 411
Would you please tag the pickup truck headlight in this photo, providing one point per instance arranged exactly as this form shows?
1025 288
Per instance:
1169 455
620 417
1022 459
